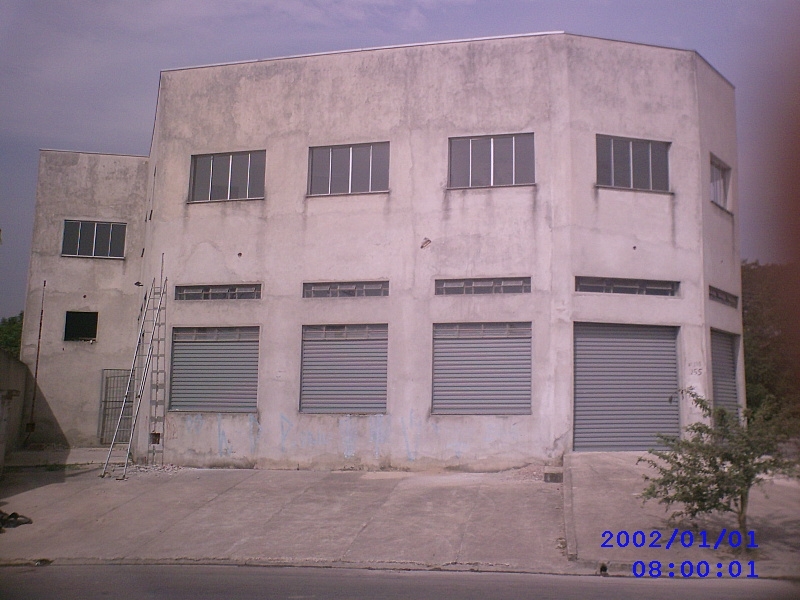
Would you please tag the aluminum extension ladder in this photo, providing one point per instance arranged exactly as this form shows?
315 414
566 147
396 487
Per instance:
154 302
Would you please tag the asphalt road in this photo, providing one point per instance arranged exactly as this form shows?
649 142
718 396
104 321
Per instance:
200 582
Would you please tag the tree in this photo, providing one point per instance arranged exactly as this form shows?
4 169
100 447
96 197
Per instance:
11 334
771 335
714 467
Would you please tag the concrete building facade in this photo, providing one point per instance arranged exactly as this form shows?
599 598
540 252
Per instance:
478 253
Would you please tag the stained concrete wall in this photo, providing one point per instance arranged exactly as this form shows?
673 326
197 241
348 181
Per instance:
91 187
565 89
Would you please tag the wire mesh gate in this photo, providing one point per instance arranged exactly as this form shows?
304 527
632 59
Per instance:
114 382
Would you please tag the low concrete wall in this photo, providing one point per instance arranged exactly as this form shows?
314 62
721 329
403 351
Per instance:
14 381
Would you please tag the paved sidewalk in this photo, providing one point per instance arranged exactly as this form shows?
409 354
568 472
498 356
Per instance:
508 521
489 521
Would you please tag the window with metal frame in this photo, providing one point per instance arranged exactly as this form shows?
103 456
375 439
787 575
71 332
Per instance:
214 369
350 169
720 179
632 164
345 289
490 161
228 176
249 291
481 369
487 285
80 326
723 297
93 239
613 285
344 369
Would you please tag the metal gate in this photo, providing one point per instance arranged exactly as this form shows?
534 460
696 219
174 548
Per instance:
214 369
344 369
723 371
114 383
626 386
482 368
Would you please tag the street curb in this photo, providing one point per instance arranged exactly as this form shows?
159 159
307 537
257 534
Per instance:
569 513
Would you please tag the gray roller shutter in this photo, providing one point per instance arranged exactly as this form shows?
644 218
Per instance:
723 371
344 369
214 369
626 386
482 368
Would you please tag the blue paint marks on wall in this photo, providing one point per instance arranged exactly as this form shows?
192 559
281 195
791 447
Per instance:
223 443
286 427
378 433
347 436
254 433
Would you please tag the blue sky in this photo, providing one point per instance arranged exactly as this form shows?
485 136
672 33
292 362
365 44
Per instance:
83 75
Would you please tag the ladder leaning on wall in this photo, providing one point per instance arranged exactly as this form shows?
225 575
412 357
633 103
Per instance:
150 348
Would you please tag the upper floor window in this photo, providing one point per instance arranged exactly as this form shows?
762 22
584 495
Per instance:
348 169
232 176
632 164
491 161
720 178
90 238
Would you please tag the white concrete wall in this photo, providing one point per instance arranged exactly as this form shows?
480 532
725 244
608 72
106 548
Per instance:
92 187
566 89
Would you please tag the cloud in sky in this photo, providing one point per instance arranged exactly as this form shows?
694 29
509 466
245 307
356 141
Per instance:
83 74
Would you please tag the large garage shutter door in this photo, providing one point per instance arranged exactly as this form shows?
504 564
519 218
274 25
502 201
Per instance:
626 386
723 371
344 369
482 368
214 369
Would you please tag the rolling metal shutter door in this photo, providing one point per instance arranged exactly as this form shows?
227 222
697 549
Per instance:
344 369
482 368
723 371
214 369
626 386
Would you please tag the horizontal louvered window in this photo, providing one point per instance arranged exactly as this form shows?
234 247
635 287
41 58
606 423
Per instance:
344 369
214 369
482 368
626 386
723 297
250 291
345 289
488 285
613 285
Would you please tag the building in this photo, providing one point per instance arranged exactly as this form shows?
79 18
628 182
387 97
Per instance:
478 253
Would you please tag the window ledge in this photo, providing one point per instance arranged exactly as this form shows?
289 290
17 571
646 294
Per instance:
723 209
224 200
100 257
627 189
491 187
375 193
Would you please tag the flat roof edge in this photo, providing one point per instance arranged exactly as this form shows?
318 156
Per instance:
94 153
366 49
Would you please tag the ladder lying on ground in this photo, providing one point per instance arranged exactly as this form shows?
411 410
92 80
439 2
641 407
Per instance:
152 306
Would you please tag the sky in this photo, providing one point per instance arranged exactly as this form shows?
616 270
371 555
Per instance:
83 75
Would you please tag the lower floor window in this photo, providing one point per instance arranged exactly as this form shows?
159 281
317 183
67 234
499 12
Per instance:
80 326
214 369
482 368
344 369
